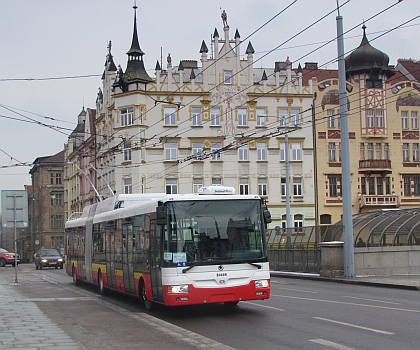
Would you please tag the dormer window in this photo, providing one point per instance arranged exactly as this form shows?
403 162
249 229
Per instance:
228 77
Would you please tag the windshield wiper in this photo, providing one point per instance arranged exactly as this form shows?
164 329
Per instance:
256 265
188 268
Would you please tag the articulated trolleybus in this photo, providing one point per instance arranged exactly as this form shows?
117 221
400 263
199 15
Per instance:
173 249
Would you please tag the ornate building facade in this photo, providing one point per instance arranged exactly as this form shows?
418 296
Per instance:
217 121
383 114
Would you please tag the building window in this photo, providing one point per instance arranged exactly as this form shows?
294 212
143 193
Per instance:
228 77
414 120
295 119
215 151
296 151
171 151
370 118
282 151
261 151
170 115
128 185
243 186
378 151
406 152
386 151
334 187
284 113
298 223
297 187
262 186
415 147
362 151
216 180
331 118
127 151
371 182
197 184
196 116
416 185
379 186
326 219
56 221
363 185
141 116
57 199
331 152
215 116
407 186
283 186
171 186
55 178
126 116
242 116
387 185
243 151
197 150
261 116
404 119
379 118
370 150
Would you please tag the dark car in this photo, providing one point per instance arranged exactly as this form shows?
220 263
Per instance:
8 258
48 258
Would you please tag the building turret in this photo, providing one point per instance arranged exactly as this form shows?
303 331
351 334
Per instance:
135 72
367 59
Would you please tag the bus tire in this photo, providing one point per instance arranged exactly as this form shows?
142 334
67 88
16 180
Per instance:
75 280
148 304
231 303
102 289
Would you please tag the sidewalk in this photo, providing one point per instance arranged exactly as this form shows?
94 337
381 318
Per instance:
395 281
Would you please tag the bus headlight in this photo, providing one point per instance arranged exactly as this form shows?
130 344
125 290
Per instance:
178 289
262 284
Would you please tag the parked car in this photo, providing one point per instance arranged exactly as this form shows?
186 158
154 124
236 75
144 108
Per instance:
48 258
8 258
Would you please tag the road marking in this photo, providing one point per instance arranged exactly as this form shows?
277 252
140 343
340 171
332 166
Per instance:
354 326
346 303
266 306
299 290
274 282
331 344
58 299
374 300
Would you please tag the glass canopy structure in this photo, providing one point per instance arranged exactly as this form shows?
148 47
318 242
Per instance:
381 228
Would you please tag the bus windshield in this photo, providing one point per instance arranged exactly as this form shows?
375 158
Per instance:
203 231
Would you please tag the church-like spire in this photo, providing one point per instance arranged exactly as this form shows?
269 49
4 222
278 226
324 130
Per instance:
135 71
250 49
204 47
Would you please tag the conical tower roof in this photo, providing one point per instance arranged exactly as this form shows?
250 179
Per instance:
367 58
135 71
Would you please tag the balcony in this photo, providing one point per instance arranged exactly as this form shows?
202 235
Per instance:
390 200
375 164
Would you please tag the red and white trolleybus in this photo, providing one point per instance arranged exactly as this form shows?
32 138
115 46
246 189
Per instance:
173 249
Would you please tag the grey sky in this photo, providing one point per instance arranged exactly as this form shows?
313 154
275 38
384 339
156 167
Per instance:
50 39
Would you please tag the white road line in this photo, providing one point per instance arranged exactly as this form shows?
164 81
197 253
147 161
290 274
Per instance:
374 300
354 326
346 303
331 344
266 306
299 290
274 282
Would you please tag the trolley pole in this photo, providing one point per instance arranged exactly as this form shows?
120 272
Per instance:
345 155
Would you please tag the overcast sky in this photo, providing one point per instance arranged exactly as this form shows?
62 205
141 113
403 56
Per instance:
51 39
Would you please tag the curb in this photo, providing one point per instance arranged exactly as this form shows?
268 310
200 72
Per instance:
315 277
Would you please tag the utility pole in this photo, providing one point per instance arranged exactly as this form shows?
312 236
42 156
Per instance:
345 155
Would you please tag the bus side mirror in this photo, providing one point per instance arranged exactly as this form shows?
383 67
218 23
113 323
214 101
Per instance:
161 215
267 216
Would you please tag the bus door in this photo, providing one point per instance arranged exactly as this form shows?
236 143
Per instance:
128 269
118 257
109 255
155 268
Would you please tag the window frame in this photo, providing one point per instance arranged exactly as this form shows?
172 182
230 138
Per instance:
215 116
196 116
171 151
169 116
126 116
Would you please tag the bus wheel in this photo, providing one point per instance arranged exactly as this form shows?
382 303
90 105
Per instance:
102 289
75 280
232 303
147 303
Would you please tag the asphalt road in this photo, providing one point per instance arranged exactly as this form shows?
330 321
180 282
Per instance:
301 314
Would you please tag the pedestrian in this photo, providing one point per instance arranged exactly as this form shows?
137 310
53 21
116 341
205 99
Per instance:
361 243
